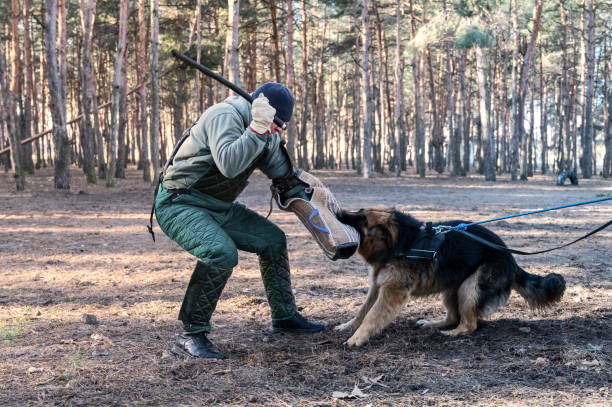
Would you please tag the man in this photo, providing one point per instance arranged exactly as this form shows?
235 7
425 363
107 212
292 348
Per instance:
195 207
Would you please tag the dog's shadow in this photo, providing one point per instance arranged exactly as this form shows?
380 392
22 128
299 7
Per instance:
496 335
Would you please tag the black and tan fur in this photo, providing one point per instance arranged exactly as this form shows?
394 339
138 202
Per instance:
474 280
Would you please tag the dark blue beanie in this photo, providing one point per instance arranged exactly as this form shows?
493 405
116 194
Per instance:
279 97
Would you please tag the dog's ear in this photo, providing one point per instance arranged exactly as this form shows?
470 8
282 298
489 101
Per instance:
408 227
357 219
405 221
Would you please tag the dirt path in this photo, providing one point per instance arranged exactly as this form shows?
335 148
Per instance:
86 251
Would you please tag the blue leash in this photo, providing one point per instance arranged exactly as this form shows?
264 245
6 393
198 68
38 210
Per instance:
464 226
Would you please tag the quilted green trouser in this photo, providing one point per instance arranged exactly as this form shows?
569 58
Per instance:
277 282
203 292
214 231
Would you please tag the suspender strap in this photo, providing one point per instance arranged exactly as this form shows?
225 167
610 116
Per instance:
160 178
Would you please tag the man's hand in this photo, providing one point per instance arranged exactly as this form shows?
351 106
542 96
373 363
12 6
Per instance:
263 115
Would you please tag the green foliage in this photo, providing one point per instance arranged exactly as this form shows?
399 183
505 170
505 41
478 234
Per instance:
10 334
343 46
12 331
469 8
473 36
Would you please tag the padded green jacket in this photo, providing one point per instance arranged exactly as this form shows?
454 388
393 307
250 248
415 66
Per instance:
221 138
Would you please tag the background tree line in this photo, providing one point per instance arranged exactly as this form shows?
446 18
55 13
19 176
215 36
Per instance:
488 86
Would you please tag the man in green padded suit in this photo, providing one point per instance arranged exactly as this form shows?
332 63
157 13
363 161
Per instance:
195 207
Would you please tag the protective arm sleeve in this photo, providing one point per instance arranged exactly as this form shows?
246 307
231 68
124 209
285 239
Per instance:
233 150
275 164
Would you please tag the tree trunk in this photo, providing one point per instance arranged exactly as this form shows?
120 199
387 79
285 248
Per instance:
488 138
28 163
607 96
142 92
230 64
522 91
531 133
399 93
88 12
587 142
56 101
419 126
291 128
9 119
154 134
356 141
179 104
367 94
63 48
198 75
514 144
565 133
119 79
122 135
385 137
303 148
17 103
455 136
607 167
46 158
36 122
319 103
465 113
250 48
543 117
275 42
437 135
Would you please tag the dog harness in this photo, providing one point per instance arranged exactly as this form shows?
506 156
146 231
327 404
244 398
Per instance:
425 246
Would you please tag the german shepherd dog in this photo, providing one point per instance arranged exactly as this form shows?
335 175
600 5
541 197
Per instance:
475 280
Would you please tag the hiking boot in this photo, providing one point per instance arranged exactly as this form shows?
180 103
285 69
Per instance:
295 324
196 346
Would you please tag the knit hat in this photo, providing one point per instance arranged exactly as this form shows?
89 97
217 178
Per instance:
279 97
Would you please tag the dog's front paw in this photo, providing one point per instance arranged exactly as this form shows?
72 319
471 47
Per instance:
345 326
356 340
459 331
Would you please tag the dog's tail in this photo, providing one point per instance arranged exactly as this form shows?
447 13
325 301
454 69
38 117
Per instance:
538 291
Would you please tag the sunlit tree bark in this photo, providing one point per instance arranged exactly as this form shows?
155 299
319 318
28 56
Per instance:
367 94
56 101
154 131
119 84
88 12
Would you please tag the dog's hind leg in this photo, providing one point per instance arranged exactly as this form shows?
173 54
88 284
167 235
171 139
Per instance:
449 299
365 307
389 302
467 299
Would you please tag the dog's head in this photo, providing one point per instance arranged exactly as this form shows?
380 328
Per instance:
381 231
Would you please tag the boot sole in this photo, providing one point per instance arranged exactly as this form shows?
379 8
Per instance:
177 350
274 330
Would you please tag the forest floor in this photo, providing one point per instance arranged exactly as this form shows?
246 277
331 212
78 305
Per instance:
87 251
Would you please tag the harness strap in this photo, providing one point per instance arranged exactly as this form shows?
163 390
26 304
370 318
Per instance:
425 246
506 249
418 254
150 225
160 178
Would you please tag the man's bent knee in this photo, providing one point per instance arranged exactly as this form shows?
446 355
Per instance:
276 244
223 257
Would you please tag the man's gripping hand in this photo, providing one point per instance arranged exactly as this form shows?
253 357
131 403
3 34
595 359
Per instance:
263 115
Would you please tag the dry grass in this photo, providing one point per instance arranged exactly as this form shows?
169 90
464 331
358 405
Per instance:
65 254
